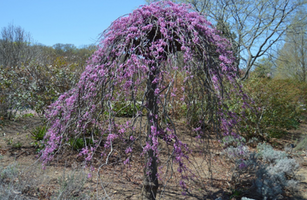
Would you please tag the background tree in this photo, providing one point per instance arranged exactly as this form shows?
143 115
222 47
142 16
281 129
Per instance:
33 75
264 68
65 49
292 57
15 45
258 24
75 55
83 53
45 55
138 63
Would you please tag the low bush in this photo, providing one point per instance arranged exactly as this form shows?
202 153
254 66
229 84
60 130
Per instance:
8 172
272 172
275 174
276 106
71 186
32 182
268 154
18 184
39 133
126 109
79 143
35 85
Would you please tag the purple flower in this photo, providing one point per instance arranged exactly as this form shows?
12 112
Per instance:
157 91
127 161
128 56
128 150
242 165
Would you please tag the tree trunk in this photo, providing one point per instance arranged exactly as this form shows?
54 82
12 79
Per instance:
303 57
151 184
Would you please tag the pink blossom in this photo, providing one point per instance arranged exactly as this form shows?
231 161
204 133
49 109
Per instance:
157 91
127 161
128 150
127 58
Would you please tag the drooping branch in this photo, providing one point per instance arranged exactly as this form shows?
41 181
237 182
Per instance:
139 58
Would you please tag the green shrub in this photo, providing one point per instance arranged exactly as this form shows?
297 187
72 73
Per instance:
28 115
277 105
79 143
39 133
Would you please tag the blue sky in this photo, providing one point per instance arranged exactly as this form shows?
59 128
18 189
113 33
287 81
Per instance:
77 22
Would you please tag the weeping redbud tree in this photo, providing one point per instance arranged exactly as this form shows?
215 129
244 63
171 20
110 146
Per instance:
139 59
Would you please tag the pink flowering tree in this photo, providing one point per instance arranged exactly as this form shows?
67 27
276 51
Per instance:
140 56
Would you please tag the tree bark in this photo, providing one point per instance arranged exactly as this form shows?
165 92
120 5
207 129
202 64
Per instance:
151 183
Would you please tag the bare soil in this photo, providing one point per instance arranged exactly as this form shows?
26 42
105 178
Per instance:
212 179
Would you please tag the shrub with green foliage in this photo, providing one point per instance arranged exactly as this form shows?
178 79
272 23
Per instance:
79 143
278 105
39 132
38 135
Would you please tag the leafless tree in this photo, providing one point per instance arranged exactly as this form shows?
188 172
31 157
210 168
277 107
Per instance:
15 46
258 24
